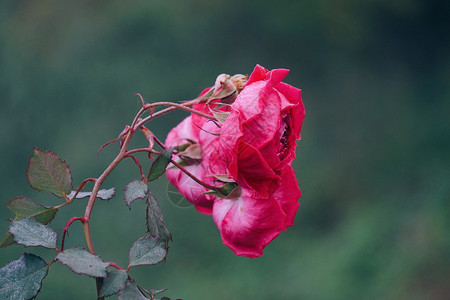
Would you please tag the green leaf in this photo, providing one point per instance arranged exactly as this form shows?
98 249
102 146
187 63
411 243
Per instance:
155 221
153 292
102 194
136 189
114 282
23 207
81 261
230 190
160 164
22 278
131 292
220 116
47 172
29 232
147 250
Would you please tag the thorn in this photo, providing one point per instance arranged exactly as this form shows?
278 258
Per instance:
142 100
106 144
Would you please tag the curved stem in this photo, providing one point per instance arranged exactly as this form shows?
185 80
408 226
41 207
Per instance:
66 228
90 205
161 144
183 169
97 185
81 187
180 106
99 182
173 106
123 153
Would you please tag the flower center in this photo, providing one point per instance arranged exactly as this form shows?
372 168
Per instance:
284 132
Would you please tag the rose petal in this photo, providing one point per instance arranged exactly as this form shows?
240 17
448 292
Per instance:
191 190
248 224
288 194
180 133
250 169
259 73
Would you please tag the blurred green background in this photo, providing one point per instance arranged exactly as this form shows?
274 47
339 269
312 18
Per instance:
373 163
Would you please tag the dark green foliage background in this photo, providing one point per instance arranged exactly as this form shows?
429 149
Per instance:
373 164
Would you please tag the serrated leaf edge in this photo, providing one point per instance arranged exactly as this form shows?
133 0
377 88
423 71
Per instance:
118 291
169 152
141 238
56 258
131 202
52 153
45 266
33 215
51 229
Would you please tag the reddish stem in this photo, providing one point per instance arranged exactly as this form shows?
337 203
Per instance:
122 154
139 150
180 106
136 161
137 122
66 228
192 176
142 99
112 264
172 108
159 143
81 187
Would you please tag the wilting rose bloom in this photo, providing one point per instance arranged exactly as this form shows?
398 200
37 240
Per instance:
254 147
258 138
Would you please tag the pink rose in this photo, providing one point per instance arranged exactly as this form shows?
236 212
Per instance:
185 133
259 136
254 147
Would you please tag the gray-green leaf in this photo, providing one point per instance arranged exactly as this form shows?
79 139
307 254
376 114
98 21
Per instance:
81 261
147 250
102 194
137 189
23 207
22 278
155 221
47 172
115 281
153 292
131 292
30 233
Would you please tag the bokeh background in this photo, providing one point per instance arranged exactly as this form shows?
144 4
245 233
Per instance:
373 163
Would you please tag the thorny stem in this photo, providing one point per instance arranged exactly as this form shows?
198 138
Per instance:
66 228
180 106
81 187
183 169
137 123
173 106
139 150
138 164
97 185
122 154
